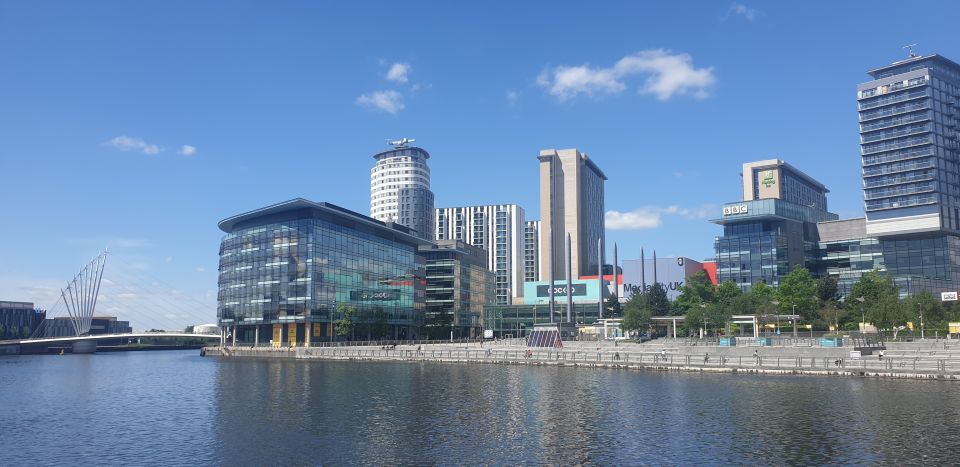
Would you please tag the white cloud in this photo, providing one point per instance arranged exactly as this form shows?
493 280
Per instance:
130 143
187 150
642 218
742 11
650 217
513 96
169 259
666 74
200 269
387 101
398 72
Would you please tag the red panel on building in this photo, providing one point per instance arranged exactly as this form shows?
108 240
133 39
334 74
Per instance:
710 267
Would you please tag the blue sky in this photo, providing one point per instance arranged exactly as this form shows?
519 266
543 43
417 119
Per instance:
139 125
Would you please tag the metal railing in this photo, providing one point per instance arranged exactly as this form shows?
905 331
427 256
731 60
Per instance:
627 358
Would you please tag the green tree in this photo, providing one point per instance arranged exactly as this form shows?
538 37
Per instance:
612 307
188 329
727 291
925 303
798 291
698 290
657 300
345 324
636 313
827 289
832 313
878 299
728 301
25 331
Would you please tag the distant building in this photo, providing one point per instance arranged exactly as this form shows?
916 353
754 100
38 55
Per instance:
458 287
285 268
531 251
63 326
909 147
571 202
19 319
765 236
498 229
671 272
400 189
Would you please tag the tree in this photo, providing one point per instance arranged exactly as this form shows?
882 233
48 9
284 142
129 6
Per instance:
188 330
697 291
636 313
830 312
827 289
3 331
924 302
25 332
657 300
798 291
612 307
878 299
727 291
344 325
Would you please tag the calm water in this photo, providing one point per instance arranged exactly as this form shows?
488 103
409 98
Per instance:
176 408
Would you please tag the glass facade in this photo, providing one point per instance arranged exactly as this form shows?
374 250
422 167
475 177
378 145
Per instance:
847 260
459 286
764 240
517 320
285 268
909 143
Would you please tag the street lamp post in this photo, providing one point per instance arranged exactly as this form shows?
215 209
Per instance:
794 320
921 319
863 320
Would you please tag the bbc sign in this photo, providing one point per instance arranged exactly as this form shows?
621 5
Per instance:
948 296
737 209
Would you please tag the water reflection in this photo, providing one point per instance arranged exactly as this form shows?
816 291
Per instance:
175 408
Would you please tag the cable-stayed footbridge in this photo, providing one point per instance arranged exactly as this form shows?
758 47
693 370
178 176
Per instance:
99 308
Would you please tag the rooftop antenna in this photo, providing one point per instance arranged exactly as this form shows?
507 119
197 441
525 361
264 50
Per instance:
910 52
400 143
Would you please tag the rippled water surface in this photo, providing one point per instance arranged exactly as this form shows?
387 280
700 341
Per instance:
176 408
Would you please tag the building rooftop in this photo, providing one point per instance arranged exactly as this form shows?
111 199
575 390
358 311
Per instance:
583 156
876 72
426 155
300 208
781 163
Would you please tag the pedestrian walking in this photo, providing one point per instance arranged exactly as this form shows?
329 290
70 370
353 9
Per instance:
881 354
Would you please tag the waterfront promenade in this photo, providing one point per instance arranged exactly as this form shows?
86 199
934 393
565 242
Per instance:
933 359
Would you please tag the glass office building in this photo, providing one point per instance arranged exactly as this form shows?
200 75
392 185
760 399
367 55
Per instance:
459 286
763 240
284 269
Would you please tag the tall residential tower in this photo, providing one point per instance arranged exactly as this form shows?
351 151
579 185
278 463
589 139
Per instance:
498 229
571 202
400 188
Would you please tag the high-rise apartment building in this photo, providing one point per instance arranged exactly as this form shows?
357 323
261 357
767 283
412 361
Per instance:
400 188
909 146
531 251
571 202
498 229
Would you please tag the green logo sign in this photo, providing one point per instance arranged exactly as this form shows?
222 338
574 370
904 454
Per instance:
768 180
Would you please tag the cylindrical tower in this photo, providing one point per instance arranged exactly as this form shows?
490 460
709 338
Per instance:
400 188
